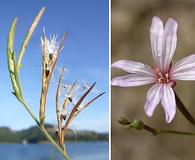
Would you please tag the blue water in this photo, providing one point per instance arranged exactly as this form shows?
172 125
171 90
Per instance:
77 151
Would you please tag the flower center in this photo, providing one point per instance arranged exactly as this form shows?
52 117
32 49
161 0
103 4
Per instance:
164 78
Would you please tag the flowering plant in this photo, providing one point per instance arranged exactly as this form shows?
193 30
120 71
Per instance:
50 53
162 75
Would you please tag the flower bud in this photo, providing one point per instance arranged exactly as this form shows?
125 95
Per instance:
137 124
123 121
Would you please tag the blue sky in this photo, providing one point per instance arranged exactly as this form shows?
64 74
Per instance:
85 55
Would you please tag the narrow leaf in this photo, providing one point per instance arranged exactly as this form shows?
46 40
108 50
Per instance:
28 36
11 58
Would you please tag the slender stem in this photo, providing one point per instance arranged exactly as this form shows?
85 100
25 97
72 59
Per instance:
43 88
59 119
166 131
157 131
139 125
44 131
46 83
64 153
184 110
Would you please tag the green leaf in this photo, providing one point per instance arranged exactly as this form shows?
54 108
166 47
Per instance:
28 36
11 58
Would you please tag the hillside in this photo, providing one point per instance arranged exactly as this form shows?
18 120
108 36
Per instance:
33 135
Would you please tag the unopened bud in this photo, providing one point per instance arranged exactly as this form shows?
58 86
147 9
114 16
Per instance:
123 121
137 124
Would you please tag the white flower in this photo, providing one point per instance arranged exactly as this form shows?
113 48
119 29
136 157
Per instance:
163 75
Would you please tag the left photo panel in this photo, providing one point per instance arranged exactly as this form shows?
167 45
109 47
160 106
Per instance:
54 80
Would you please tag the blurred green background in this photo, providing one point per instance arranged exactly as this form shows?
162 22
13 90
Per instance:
130 39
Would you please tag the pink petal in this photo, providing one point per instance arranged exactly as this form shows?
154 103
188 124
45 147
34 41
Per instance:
168 102
153 98
133 67
132 80
184 69
157 39
170 41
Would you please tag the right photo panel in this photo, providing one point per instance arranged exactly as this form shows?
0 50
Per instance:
152 80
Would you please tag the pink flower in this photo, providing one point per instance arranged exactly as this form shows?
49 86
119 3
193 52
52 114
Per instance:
163 75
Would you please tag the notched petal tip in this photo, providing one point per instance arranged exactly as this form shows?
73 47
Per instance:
156 23
170 116
118 81
168 102
171 26
115 64
156 19
114 82
148 112
149 108
172 21
152 99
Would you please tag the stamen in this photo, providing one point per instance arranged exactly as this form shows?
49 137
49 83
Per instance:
162 77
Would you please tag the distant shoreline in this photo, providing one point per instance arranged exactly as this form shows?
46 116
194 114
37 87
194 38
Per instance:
33 135
71 142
